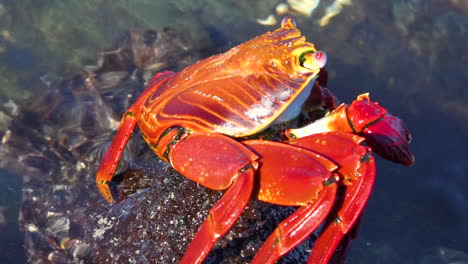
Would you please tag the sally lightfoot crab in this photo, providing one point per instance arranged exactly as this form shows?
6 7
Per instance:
198 120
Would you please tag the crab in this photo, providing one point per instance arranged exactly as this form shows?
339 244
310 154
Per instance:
205 121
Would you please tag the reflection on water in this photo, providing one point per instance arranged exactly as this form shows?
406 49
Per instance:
408 54
11 240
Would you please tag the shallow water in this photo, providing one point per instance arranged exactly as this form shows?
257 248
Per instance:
410 55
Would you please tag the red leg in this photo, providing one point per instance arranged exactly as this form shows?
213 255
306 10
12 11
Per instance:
357 172
114 152
356 195
111 158
341 147
221 218
290 175
231 166
296 228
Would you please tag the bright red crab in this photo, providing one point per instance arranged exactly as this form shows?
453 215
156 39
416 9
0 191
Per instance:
198 119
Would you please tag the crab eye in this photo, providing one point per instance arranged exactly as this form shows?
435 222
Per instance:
313 60
320 58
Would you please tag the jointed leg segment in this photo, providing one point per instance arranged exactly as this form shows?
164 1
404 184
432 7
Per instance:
111 158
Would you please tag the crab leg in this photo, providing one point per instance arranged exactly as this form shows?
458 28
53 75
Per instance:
348 215
111 158
296 227
295 176
357 173
233 166
344 149
220 218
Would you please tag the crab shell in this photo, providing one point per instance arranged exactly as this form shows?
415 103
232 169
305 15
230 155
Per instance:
239 93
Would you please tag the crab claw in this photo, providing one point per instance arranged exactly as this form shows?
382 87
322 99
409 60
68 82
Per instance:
390 138
387 135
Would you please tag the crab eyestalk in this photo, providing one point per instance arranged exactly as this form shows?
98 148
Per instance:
387 135
313 60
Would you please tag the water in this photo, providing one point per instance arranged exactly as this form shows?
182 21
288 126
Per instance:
410 56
